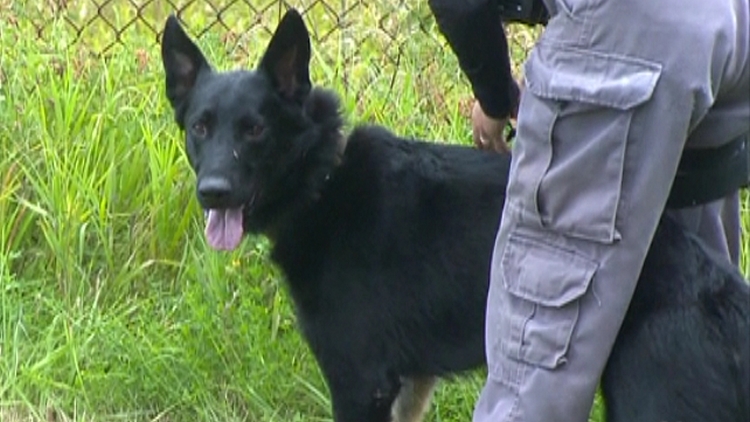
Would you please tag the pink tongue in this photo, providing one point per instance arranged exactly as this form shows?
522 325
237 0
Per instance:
224 228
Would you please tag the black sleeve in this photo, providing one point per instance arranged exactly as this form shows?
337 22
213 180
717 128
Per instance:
476 36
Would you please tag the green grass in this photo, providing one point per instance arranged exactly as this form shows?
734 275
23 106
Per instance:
112 307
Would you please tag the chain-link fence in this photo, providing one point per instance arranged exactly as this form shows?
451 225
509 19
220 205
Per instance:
109 22
364 40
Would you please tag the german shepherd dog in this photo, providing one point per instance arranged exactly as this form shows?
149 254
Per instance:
385 245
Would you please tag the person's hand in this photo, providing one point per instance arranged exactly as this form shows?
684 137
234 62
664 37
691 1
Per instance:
488 132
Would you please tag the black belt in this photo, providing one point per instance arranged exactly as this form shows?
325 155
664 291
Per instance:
708 174
530 12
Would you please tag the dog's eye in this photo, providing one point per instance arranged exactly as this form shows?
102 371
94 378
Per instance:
254 132
199 129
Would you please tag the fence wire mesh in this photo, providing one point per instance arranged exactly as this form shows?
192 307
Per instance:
340 29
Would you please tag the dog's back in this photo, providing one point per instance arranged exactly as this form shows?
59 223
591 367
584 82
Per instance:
686 337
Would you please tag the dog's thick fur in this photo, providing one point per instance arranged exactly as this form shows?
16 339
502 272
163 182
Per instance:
386 243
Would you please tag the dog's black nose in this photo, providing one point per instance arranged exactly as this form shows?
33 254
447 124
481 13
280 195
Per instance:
213 189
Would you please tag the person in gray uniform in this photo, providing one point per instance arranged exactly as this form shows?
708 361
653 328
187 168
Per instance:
628 108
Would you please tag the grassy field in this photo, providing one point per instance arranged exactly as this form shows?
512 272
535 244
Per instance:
112 307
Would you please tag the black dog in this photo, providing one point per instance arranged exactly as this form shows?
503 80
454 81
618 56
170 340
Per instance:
386 243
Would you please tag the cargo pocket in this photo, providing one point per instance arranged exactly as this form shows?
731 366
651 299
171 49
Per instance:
592 98
543 285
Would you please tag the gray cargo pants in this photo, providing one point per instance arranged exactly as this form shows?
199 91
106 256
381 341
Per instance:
614 91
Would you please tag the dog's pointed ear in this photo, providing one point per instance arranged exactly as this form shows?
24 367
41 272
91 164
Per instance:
182 60
287 58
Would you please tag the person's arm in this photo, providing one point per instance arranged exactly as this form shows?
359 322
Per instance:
476 36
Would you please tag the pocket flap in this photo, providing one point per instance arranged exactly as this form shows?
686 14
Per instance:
544 274
569 74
